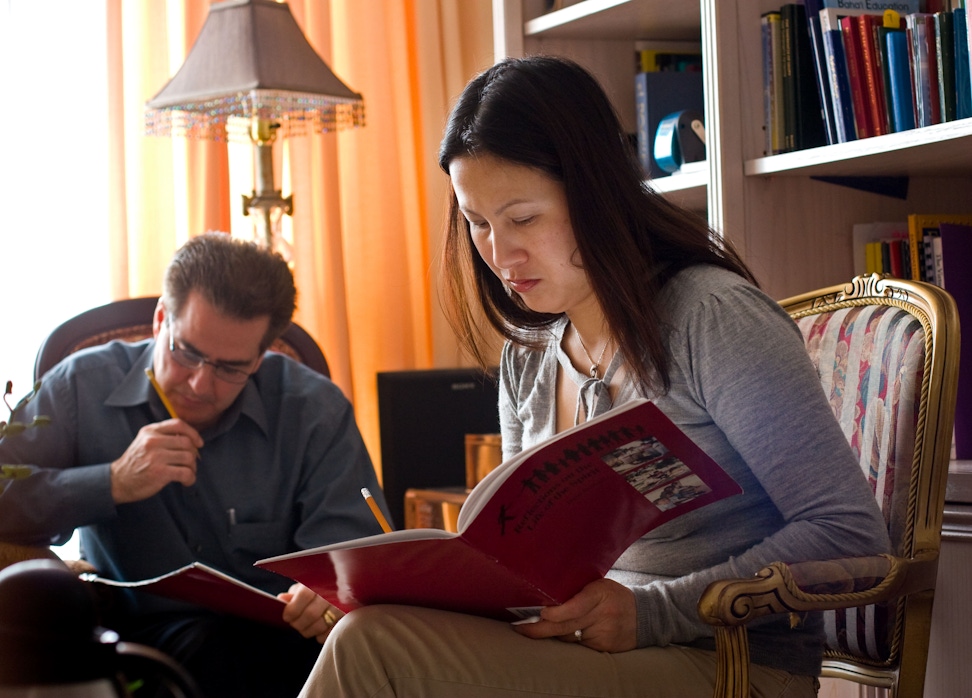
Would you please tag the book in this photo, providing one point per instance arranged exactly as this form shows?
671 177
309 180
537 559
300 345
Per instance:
809 130
534 531
899 77
657 95
945 52
869 30
855 74
963 62
956 244
813 8
772 82
837 78
920 28
202 585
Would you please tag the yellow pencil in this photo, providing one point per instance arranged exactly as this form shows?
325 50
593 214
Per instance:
375 510
162 396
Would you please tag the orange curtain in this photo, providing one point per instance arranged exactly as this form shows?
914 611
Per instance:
369 204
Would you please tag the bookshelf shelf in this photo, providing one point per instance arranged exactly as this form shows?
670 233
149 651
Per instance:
618 19
687 187
933 151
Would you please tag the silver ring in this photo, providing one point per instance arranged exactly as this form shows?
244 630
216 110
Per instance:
579 634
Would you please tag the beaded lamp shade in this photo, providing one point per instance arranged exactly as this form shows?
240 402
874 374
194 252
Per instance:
252 75
251 60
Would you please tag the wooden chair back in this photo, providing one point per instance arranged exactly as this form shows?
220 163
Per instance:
130 320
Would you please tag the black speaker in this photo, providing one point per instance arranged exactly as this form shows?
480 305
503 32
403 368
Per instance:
423 419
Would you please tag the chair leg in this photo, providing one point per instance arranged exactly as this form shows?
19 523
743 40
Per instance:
732 673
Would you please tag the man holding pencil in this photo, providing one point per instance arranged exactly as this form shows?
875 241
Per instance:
197 445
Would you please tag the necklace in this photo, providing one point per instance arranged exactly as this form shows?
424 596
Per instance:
594 364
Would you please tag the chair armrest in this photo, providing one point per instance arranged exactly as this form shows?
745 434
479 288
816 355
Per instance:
816 585
729 604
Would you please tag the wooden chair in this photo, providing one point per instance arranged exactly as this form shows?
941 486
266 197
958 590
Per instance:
130 320
887 353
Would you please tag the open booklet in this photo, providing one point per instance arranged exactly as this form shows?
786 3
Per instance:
202 585
536 530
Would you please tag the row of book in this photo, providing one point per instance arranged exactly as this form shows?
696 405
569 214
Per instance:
912 249
840 70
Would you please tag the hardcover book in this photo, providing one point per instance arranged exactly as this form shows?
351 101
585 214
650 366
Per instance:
920 28
813 8
204 586
899 77
536 530
956 242
772 83
808 128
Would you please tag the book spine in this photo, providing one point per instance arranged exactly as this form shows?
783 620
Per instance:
945 53
855 74
641 119
867 28
920 80
820 69
810 129
769 22
839 86
789 81
963 64
899 72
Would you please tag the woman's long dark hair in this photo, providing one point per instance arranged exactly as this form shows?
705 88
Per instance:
550 114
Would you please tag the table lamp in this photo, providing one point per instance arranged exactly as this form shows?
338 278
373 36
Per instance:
252 69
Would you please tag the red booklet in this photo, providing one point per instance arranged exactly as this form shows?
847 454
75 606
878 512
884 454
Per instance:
204 586
536 530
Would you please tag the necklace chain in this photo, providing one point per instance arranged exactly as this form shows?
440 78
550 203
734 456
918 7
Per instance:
594 364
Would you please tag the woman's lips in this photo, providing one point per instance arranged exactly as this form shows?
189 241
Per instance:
522 285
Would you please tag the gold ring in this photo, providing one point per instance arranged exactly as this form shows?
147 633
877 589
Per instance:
330 617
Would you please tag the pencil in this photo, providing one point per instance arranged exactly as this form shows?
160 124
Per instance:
375 510
162 396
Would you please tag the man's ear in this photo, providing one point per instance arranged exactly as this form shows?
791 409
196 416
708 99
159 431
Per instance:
158 318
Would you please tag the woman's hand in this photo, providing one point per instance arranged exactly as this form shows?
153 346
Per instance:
308 613
604 611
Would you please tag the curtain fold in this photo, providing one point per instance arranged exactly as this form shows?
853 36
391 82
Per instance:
369 204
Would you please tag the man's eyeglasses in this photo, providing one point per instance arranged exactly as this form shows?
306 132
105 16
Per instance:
187 358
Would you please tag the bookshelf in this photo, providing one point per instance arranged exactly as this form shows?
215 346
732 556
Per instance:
792 228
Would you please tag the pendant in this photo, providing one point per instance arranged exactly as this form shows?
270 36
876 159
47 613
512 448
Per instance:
594 371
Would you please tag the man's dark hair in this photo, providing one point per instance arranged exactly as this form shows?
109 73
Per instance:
239 278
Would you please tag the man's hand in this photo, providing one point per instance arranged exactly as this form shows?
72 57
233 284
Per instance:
604 611
308 613
161 453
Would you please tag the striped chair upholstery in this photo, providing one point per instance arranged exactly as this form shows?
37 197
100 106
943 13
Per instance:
871 361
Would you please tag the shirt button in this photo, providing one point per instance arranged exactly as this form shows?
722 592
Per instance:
198 548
